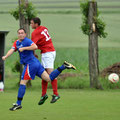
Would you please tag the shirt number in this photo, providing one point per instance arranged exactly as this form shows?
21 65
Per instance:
46 34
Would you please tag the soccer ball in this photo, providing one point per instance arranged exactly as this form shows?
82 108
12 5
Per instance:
113 77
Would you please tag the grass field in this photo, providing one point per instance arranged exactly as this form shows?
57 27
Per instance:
62 5
73 105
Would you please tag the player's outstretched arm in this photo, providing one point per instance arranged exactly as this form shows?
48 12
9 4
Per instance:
32 47
9 53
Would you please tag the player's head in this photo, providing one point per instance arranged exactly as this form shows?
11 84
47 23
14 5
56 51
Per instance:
35 22
21 33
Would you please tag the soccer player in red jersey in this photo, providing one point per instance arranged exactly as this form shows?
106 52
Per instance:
42 39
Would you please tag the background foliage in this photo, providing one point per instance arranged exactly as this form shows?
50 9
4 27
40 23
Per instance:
29 12
99 23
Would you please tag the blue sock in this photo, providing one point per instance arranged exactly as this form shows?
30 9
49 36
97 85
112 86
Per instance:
56 72
62 67
21 93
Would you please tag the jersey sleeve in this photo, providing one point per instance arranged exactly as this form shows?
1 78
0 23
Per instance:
14 46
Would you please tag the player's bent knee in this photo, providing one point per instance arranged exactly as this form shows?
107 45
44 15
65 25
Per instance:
45 76
48 80
23 82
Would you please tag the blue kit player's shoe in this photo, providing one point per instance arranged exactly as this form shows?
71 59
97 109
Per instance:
69 65
15 107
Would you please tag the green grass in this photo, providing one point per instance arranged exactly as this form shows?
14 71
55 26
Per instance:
71 45
73 105
70 35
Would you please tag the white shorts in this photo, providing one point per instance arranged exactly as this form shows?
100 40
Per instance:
47 59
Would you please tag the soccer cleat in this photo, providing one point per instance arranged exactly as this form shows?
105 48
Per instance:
69 65
15 107
54 98
43 99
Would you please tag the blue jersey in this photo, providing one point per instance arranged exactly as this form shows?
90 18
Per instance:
26 56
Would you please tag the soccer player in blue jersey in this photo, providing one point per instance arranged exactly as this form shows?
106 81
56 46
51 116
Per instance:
32 66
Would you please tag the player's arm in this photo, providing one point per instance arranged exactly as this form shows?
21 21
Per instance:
9 53
32 47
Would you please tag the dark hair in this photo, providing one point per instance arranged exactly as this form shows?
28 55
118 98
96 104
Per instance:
36 20
21 29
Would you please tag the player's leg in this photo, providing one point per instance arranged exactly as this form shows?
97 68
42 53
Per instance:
44 87
45 76
48 63
21 92
55 73
22 88
44 96
44 83
55 95
49 67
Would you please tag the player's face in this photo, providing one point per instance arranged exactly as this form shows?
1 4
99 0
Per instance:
33 25
21 34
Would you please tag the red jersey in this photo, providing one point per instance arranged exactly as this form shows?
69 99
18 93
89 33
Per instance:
42 39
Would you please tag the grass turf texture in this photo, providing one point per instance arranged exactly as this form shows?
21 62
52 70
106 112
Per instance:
73 105
71 45
62 6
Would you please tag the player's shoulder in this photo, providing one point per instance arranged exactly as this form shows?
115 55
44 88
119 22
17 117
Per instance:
38 30
27 39
43 27
15 41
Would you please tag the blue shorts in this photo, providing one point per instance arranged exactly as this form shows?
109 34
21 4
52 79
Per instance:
31 70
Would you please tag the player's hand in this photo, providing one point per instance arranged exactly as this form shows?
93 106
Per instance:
21 49
4 58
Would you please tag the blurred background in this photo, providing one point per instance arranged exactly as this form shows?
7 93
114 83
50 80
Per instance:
63 19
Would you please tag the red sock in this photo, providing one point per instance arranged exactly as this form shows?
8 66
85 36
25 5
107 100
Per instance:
54 86
44 87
